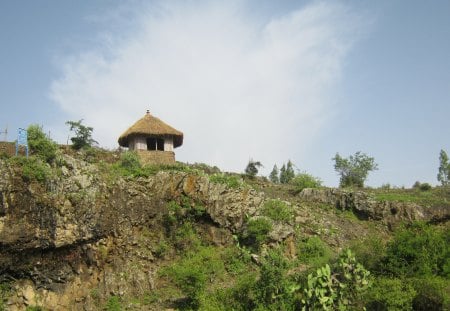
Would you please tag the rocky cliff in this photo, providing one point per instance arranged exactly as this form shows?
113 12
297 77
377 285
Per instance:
84 235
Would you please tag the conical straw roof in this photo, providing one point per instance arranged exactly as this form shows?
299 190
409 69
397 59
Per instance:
151 126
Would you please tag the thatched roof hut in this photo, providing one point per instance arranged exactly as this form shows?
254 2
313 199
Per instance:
153 127
153 139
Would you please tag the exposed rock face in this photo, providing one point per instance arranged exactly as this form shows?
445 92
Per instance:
89 234
367 208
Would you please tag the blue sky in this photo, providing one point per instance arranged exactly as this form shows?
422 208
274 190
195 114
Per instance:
267 80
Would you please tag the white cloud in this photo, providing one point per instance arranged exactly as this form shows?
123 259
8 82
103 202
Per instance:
238 85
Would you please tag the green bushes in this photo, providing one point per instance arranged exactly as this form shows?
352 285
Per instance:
192 272
256 233
338 289
278 210
33 168
230 181
390 294
313 251
40 145
418 250
305 180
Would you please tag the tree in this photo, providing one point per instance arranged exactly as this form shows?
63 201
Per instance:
283 174
287 172
83 135
40 144
444 169
354 169
252 168
273 177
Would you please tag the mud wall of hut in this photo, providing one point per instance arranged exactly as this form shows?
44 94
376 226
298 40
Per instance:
156 157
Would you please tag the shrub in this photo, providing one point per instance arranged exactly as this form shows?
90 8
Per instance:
432 294
313 251
370 252
418 250
113 304
257 232
272 288
192 272
40 145
33 168
304 180
390 294
425 186
338 289
277 210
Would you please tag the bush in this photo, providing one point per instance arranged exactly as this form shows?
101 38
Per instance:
338 289
257 232
313 251
432 294
40 145
278 210
418 250
33 168
422 186
272 288
192 272
370 252
304 180
390 294
113 304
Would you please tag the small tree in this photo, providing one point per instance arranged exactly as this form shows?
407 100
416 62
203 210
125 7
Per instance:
444 169
252 168
283 174
83 135
354 169
287 172
273 177
40 144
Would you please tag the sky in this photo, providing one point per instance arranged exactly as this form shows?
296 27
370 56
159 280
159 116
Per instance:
265 80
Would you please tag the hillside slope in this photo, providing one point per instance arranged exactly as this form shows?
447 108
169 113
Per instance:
86 237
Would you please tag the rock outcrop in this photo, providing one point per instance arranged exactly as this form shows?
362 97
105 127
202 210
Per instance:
367 208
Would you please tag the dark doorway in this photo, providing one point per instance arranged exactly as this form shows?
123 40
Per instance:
151 143
160 144
155 144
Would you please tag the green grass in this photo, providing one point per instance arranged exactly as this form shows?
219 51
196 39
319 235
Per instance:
436 197
230 180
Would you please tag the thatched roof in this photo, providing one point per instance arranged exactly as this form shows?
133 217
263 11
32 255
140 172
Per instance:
151 126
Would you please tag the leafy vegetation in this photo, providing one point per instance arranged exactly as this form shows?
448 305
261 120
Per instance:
354 169
33 168
257 232
40 145
305 180
273 177
230 181
313 251
83 135
287 172
444 169
252 168
278 210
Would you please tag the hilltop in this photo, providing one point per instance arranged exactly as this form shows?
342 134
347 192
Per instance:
90 230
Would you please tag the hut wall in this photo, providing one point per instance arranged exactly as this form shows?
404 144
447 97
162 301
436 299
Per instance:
138 143
168 144
156 157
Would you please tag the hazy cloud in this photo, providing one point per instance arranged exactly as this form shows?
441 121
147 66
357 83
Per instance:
237 84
